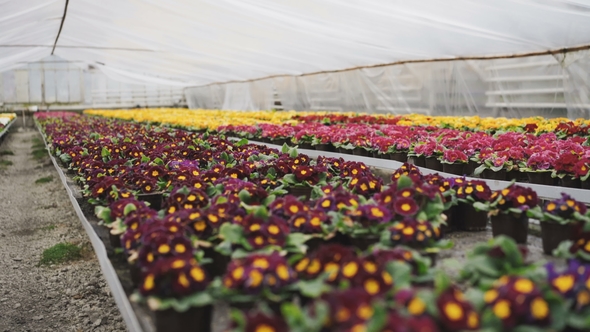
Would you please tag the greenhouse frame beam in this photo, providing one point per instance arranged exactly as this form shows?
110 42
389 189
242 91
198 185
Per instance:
552 52
61 25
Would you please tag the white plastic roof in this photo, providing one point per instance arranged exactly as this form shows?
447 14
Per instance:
196 42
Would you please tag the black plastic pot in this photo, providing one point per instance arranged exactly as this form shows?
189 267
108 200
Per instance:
196 319
306 146
420 161
156 200
115 240
434 164
568 182
219 263
472 220
491 175
344 151
135 273
541 178
457 169
399 156
553 234
585 184
360 152
325 147
516 227
300 191
363 243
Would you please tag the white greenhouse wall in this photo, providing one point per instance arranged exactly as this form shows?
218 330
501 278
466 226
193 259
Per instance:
54 83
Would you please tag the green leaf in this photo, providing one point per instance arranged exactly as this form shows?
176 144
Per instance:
129 208
312 288
105 153
285 148
159 161
404 182
479 169
231 232
103 213
297 240
479 206
245 196
241 142
293 153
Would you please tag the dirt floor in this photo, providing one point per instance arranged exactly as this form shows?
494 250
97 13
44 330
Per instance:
65 297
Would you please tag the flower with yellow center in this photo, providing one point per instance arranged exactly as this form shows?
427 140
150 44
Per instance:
416 306
524 286
372 286
564 283
350 269
539 308
453 311
264 328
502 309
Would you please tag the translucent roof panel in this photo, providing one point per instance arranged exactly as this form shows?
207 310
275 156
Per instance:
196 42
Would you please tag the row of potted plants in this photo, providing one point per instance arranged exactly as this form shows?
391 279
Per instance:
225 229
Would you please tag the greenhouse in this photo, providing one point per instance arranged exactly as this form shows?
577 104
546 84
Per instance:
270 166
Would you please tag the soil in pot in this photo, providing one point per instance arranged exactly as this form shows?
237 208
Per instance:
472 220
457 169
300 191
197 319
567 181
516 227
399 156
433 164
553 234
541 178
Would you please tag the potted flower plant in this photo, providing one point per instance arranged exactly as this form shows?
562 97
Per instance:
468 193
508 208
177 290
538 167
489 261
516 303
557 220
454 161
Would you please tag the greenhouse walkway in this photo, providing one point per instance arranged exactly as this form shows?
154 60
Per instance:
36 214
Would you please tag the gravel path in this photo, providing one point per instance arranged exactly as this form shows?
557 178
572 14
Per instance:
67 297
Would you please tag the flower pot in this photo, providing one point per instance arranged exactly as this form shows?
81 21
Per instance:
470 167
344 151
363 243
472 220
376 154
541 178
196 319
306 146
300 191
567 181
135 273
516 227
325 147
219 263
451 225
433 163
553 234
491 175
279 141
155 200
360 152
115 240
420 161
457 168
399 156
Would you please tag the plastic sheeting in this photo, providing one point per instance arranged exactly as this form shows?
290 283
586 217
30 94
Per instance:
552 86
198 42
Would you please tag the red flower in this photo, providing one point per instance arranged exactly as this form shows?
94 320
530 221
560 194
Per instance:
405 206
